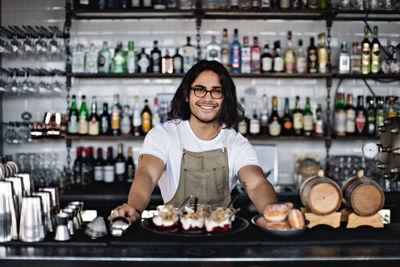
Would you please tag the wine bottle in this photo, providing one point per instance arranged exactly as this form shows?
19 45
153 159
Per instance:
120 165
130 166
73 117
98 166
109 175
298 122
274 124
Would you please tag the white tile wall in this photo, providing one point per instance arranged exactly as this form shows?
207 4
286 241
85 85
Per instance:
170 34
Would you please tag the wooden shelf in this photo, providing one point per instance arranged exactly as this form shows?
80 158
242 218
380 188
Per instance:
104 137
124 75
94 14
366 76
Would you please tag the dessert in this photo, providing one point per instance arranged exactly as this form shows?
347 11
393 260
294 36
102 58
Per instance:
201 208
192 221
166 220
165 208
278 225
276 212
218 221
261 221
290 205
296 219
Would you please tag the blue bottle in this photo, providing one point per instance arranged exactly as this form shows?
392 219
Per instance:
112 4
236 57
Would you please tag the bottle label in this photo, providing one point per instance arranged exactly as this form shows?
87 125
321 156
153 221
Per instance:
119 168
365 59
130 173
285 3
274 129
147 3
73 125
131 64
266 64
234 3
103 63
350 121
94 127
146 122
235 60
177 64
340 122
255 61
156 62
308 123
298 121
379 120
322 59
355 64
375 59
301 64
254 126
289 62
115 120
137 120
225 56
83 125
278 64
242 127
360 122
135 3
98 173
344 64
119 63
125 125
143 64
313 58
265 4
319 127
287 125
109 174
246 59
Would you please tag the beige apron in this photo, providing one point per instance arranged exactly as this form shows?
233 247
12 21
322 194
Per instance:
204 175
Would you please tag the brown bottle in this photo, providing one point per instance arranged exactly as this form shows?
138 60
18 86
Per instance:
146 117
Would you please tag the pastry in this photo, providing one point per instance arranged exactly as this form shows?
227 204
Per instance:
276 212
296 219
278 225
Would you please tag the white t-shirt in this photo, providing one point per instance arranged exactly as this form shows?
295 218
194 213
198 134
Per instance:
164 142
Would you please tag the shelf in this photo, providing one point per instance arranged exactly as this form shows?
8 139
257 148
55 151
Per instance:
284 138
79 14
366 15
355 138
281 75
289 14
124 75
366 76
104 137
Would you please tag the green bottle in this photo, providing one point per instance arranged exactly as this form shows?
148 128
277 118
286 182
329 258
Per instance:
119 60
379 115
370 116
308 119
73 117
131 58
83 124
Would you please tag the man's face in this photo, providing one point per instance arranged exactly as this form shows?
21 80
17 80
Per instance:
206 109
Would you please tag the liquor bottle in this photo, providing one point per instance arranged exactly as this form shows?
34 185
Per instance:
246 56
313 4
287 120
225 56
223 4
379 115
136 118
104 59
116 116
178 62
243 125
391 111
296 4
130 166
91 60
98 166
322 54
155 119
143 62
211 4
112 4
255 4
135 4
264 116
375 53
160 4
312 57
322 4
289 56
245 4
120 165
355 59
119 60
163 111
266 59
167 63
344 58
189 55
155 56
73 117
85 168
254 128
213 50
109 175
319 124
276 4
308 119
124 4
265 4
126 120
78 59
77 166
234 4
83 118
350 116
365 53
298 120
278 63
236 57
301 58
370 126
361 117
94 124
274 124
146 118
105 121
131 58
148 4
340 114
285 4
255 56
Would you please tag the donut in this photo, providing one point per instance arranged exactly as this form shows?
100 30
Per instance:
290 205
276 212
261 221
278 226
296 219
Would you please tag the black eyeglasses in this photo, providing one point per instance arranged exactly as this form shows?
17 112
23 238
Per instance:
201 92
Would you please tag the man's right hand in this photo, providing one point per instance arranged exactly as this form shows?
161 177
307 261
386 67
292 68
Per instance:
125 210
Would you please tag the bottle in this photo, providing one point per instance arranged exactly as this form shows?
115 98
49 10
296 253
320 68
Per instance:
146 118
375 53
84 168
126 120
155 119
105 121
243 125
350 116
213 50
365 53
254 128
308 119
301 58
278 63
211 4
98 166
83 118
94 124
91 60
109 175
287 120
225 55
355 59
344 59
285 4
312 57
116 116
167 63
265 4
178 62
130 166
155 56
131 58
264 116
112 4
313 4
245 66
255 4
319 125
148 4
391 111
298 121
255 56
78 59
266 59
73 117
135 4
322 54
340 114
370 126
236 57
163 111
160 4
245 4
143 62
379 115
274 124
119 60
103 60
120 165
223 4
77 166
189 55
137 118
296 4
289 56
234 4
361 117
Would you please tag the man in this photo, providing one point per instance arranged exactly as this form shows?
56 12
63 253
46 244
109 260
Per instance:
198 152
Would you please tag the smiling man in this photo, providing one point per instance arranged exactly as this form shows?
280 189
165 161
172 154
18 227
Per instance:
198 152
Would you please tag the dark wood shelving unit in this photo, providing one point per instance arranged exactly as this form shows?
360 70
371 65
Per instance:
103 137
124 75
94 14
366 76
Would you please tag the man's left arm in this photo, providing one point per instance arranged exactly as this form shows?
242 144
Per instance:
258 188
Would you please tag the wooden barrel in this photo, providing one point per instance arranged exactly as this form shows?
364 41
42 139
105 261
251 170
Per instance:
320 194
363 196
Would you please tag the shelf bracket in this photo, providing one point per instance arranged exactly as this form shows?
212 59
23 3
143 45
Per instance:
198 14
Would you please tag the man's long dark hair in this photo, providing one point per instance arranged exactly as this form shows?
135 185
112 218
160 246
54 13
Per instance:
231 113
